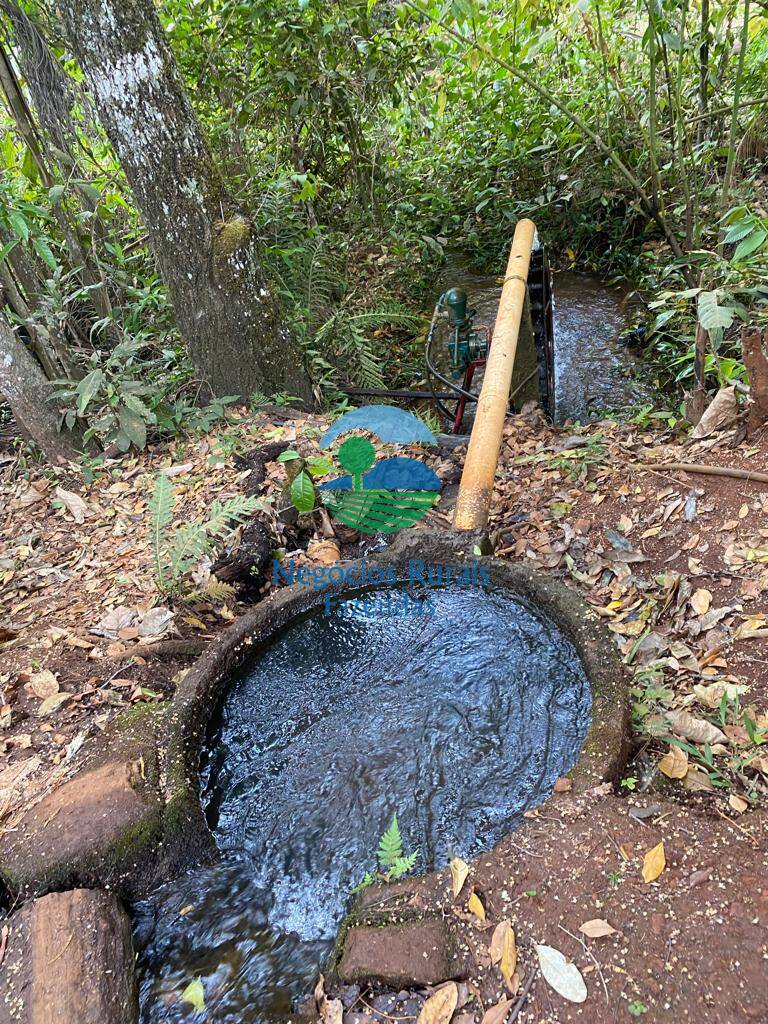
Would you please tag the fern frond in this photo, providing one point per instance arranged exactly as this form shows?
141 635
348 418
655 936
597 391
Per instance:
161 506
403 865
390 845
222 517
214 590
186 546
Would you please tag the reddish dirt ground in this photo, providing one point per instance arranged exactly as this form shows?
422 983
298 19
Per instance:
675 564
692 945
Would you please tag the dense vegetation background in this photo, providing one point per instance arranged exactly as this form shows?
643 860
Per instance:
275 191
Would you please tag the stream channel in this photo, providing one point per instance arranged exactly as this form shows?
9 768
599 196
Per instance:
594 370
458 721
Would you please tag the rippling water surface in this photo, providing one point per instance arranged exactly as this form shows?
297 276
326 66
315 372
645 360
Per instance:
593 370
458 721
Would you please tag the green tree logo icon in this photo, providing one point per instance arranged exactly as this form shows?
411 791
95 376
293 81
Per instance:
357 455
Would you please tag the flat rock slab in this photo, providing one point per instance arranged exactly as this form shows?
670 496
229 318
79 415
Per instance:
69 960
88 831
417 953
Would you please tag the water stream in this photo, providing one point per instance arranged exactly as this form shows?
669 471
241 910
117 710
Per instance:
458 720
593 370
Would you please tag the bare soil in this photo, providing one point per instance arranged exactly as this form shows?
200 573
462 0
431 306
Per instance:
677 567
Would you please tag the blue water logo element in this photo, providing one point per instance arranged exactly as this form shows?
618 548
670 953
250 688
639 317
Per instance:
385 496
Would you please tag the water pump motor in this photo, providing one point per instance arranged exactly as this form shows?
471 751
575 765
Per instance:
466 344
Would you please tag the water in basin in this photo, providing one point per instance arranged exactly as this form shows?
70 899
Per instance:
458 721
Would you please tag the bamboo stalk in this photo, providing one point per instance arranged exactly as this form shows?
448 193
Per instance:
477 478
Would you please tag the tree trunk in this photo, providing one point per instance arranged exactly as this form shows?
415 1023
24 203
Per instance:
27 391
204 245
756 362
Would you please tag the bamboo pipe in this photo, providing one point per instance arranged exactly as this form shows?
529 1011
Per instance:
476 485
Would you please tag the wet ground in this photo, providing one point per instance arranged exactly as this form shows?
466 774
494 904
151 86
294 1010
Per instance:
594 371
458 721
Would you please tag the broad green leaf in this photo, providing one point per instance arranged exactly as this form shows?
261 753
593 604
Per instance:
87 388
19 224
713 316
55 193
29 167
303 493
739 230
750 244
320 466
288 456
133 426
43 250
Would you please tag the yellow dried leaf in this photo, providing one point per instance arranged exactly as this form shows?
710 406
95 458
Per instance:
654 863
459 872
674 764
438 1009
475 906
503 951
737 803
700 601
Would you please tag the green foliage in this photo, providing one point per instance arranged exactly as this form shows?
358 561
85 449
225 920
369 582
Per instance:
393 862
368 141
177 550
302 492
128 391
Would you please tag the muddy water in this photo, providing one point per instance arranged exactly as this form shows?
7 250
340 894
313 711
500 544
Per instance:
593 371
458 721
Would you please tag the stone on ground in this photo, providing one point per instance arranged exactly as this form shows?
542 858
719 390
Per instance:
69 960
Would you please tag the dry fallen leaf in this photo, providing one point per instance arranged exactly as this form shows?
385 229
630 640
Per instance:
331 1010
497 1014
42 684
438 1009
721 412
503 950
597 928
697 781
696 729
325 552
51 703
564 977
654 863
74 504
674 764
737 803
459 872
700 601
475 906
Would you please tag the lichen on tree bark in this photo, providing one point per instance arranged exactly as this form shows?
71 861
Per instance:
204 244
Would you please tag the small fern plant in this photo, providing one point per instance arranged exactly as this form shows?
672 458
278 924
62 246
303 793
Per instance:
177 551
394 863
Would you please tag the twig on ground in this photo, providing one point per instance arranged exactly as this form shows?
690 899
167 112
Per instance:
753 476
516 1010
